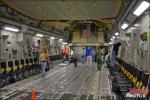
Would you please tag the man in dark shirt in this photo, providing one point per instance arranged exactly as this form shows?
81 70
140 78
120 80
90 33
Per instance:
115 52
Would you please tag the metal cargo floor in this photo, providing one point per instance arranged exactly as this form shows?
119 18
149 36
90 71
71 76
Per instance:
61 83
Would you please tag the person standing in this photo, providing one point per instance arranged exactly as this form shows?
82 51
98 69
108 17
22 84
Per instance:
93 55
83 55
105 52
99 57
115 53
75 59
66 52
37 47
43 61
71 55
89 56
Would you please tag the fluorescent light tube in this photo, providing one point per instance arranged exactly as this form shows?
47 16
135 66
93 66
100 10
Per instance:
132 28
117 34
141 8
39 35
124 26
136 25
52 37
60 40
11 29
110 42
113 37
64 43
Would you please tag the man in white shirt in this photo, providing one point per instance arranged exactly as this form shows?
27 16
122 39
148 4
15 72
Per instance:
37 47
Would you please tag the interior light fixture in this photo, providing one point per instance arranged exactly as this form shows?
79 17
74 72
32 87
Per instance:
136 25
132 28
60 40
113 37
52 37
11 29
141 8
110 42
124 26
118 37
117 34
70 44
39 35
64 43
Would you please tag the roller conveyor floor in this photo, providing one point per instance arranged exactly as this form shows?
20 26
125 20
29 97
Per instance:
62 83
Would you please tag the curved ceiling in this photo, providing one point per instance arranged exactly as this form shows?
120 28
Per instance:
66 9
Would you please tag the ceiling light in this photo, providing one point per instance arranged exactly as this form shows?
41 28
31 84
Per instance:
39 35
141 8
113 37
70 44
11 29
132 28
118 37
117 34
124 26
110 42
52 37
60 40
64 43
136 25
